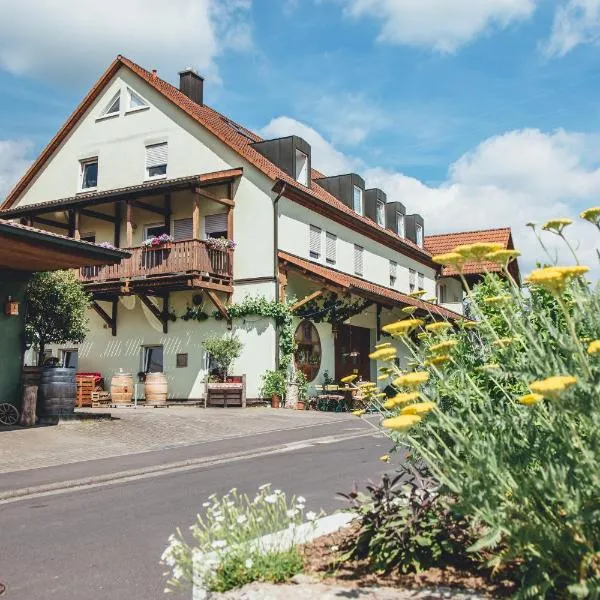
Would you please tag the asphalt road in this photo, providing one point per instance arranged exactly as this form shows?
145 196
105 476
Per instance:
105 541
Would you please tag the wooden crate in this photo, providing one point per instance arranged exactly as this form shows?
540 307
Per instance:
100 399
226 394
85 387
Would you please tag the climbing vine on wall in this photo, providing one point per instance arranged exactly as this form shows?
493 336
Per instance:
331 308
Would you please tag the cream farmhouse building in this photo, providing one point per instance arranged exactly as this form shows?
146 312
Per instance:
145 166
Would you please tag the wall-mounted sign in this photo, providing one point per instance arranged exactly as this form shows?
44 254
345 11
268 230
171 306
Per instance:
11 307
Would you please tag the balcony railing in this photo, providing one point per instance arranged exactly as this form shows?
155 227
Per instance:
190 256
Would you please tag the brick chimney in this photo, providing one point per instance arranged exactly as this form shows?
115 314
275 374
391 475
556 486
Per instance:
192 85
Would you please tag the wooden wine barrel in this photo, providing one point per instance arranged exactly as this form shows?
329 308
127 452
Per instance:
57 391
121 388
156 388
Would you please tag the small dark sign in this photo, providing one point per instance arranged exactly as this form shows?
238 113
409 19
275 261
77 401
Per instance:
182 360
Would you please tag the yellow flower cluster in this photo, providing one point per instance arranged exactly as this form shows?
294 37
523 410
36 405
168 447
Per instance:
556 225
421 408
531 399
478 251
592 215
405 327
504 342
487 368
401 423
348 378
469 324
401 399
409 310
384 345
411 380
383 354
502 257
438 327
555 279
451 259
436 361
552 387
443 346
417 294
358 413
594 347
497 299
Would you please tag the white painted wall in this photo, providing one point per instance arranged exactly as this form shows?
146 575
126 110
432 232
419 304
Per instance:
294 227
454 294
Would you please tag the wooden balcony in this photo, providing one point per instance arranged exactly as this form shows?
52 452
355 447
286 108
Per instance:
177 265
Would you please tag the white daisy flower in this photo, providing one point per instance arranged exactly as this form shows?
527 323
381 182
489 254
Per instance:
311 516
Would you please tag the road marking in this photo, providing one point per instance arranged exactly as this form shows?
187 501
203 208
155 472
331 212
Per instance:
63 487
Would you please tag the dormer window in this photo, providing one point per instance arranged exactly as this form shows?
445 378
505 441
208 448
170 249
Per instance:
358 200
381 214
301 167
135 101
400 226
113 107
419 235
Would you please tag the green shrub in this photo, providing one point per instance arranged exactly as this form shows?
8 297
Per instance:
273 384
507 418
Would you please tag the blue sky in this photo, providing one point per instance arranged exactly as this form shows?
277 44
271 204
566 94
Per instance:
474 113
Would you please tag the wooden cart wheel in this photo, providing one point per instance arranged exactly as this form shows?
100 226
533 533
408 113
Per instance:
9 415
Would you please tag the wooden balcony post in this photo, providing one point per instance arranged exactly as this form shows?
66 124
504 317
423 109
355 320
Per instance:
118 219
76 232
196 217
129 225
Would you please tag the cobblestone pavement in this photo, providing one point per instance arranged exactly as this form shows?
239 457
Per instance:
141 430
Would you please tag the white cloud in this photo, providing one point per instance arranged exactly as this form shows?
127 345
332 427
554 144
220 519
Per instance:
70 40
14 159
575 22
443 25
507 181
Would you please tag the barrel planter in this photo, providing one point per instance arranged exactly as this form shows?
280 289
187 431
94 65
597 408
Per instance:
156 388
121 388
56 394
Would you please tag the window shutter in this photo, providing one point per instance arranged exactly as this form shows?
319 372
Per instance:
156 155
421 281
331 248
393 269
182 229
358 259
315 242
215 223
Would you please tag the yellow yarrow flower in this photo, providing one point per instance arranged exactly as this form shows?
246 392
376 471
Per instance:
469 324
384 354
592 215
497 299
450 259
479 250
555 279
404 327
431 300
488 368
421 408
363 385
384 345
417 294
552 387
385 458
502 257
438 327
383 377
594 347
358 413
423 335
443 346
404 398
557 225
531 399
411 380
504 342
409 310
348 378
401 423
436 361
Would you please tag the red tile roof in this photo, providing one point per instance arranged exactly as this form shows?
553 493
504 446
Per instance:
358 285
443 243
235 136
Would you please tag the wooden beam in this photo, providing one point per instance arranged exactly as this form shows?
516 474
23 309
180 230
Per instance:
50 223
115 303
306 300
229 223
225 201
168 213
196 217
165 313
76 232
282 283
117 222
129 225
105 316
94 214
220 306
144 206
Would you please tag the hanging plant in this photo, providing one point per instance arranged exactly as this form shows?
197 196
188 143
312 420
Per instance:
194 313
331 308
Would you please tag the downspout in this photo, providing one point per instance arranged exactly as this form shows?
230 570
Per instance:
276 262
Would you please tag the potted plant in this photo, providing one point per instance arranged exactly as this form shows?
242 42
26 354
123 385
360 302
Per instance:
226 390
157 241
302 384
220 244
273 386
224 350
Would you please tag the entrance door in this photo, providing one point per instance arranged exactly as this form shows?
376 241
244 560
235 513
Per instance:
352 348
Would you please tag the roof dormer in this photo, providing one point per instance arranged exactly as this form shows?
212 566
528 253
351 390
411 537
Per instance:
291 154
375 205
395 216
348 188
415 229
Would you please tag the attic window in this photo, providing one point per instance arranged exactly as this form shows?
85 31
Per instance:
419 235
400 224
134 101
113 107
301 168
381 214
358 200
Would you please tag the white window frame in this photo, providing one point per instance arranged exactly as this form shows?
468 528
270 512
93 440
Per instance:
330 258
303 175
133 109
147 167
315 242
63 356
419 234
145 357
358 200
115 113
401 224
82 165
380 213
359 260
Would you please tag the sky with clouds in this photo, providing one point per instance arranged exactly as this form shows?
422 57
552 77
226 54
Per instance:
473 113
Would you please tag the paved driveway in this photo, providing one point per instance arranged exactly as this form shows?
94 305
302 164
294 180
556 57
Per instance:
143 429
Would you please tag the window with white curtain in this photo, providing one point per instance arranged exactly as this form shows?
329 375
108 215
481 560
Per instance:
419 235
400 227
315 242
412 280
156 160
381 214
358 259
358 200
301 168
331 248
